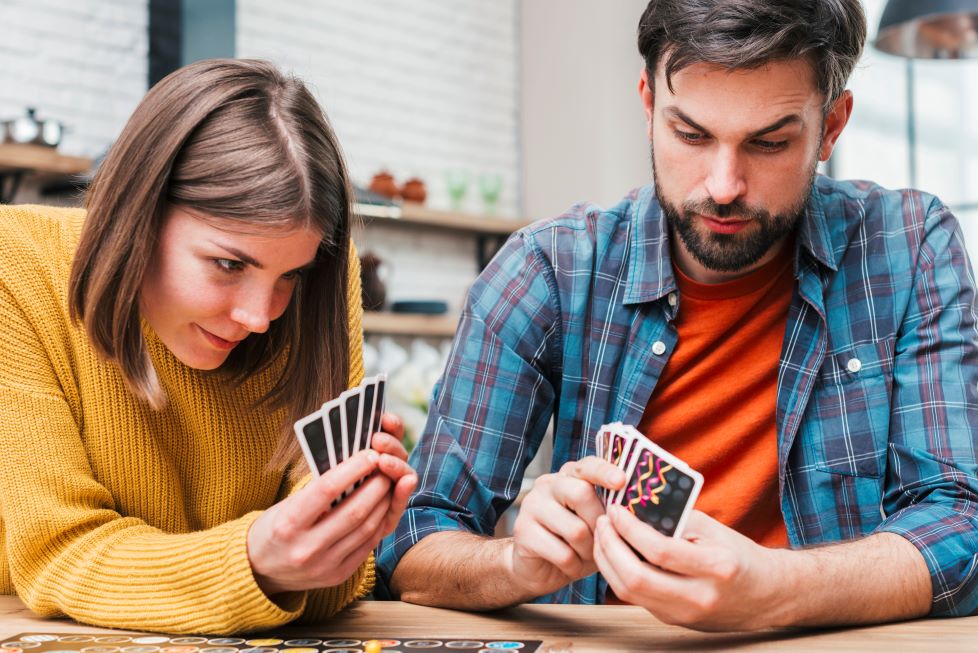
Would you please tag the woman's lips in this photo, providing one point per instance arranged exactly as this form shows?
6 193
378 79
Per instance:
217 341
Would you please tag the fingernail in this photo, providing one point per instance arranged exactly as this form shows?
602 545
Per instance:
613 477
372 456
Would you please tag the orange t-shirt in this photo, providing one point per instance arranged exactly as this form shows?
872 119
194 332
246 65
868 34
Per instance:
714 404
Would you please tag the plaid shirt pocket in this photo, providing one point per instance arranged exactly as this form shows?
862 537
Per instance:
851 405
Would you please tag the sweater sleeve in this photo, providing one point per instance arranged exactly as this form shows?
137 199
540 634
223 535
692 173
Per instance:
69 551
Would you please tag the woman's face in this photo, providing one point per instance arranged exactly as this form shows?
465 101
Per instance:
208 286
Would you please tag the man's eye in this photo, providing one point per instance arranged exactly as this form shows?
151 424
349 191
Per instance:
692 138
229 264
771 146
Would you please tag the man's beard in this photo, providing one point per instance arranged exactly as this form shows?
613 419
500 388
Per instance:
730 252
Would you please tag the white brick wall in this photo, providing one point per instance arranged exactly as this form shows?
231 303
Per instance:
83 62
414 86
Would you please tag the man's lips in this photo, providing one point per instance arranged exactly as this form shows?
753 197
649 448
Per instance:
724 225
216 340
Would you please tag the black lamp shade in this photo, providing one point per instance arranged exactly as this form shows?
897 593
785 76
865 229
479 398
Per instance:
930 29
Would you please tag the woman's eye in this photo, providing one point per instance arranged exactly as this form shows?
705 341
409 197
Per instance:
294 275
229 264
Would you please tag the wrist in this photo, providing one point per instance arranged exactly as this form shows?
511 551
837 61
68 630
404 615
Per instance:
783 597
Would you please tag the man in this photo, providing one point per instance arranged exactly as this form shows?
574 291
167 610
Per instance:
809 345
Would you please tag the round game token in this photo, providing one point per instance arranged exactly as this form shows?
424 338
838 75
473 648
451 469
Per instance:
226 641
76 639
140 649
13 649
113 639
100 649
188 641
179 649
422 643
303 642
299 649
504 646
269 641
39 638
259 649
151 639
387 642
342 643
219 649
343 650
21 644
463 643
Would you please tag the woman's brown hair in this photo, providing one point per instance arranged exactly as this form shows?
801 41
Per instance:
235 140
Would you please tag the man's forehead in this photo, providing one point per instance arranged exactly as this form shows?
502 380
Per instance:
748 99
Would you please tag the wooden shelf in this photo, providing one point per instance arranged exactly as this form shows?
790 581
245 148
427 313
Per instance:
41 159
418 214
410 324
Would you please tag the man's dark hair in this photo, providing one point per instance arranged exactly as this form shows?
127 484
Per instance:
746 34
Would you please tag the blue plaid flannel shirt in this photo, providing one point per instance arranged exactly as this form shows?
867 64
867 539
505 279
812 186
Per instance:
560 324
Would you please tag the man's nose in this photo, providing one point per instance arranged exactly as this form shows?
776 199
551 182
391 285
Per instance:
725 181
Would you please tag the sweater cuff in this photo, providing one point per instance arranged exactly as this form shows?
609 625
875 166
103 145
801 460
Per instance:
253 606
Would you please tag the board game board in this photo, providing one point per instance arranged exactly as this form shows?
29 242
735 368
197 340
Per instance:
114 643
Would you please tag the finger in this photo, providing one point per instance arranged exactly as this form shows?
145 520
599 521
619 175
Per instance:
640 581
391 423
387 443
393 467
596 471
566 525
313 500
606 565
577 495
358 557
399 500
537 542
672 554
363 532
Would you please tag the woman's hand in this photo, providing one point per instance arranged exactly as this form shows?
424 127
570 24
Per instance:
393 465
303 542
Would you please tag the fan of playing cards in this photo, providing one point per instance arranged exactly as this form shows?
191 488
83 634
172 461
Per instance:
660 489
343 426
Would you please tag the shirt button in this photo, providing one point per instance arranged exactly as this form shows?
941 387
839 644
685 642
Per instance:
672 299
658 348
854 365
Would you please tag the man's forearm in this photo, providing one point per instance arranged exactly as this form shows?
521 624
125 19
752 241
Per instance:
877 579
458 570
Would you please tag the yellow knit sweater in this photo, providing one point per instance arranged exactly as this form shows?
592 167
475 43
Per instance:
110 512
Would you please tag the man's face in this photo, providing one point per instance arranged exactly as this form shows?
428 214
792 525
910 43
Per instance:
734 156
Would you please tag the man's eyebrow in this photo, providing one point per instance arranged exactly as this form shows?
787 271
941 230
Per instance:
790 119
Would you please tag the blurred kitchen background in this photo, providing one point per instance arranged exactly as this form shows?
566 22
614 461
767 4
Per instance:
487 114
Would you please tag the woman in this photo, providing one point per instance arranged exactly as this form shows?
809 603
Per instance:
155 350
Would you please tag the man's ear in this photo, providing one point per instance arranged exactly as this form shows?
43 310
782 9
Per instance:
648 99
835 121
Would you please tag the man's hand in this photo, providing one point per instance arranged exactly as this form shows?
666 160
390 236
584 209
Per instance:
713 578
553 538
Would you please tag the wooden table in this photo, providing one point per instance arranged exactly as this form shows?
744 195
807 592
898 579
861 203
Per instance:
577 628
